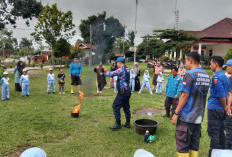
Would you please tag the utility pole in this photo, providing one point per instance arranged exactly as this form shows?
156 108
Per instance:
90 41
136 10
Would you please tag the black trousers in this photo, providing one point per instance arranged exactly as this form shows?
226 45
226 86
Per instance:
171 102
187 136
76 80
228 127
122 101
18 87
216 128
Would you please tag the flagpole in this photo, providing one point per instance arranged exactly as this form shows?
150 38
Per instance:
136 8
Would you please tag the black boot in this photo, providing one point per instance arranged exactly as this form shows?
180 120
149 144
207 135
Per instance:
127 124
117 125
228 145
166 115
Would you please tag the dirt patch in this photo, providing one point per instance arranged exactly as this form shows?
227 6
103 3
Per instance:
96 122
18 153
148 111
66 138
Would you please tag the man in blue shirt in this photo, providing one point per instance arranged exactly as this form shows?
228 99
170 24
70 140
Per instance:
75 72
173 89
191 108
123 97
228 123
218 104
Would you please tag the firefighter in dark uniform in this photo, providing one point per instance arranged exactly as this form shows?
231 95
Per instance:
123 97
218 105
228 123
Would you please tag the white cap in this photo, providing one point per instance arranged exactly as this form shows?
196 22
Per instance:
25 70
143 153
5 73
50 69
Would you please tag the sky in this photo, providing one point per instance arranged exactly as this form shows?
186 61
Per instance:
152 14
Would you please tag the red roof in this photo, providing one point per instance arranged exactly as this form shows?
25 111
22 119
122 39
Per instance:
221 29
86 46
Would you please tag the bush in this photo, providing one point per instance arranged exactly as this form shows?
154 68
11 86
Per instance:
164 58
228 55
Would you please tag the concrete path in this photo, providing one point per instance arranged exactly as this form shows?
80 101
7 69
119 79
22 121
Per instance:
36 68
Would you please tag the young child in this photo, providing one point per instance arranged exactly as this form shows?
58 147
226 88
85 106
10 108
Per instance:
61 77
51 81
132 80
5 86
146 79
160 81
24 83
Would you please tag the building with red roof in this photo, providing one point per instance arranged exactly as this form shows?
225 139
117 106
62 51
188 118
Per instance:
215 39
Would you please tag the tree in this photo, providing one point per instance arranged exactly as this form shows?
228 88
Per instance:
26 49
63 48
131 36
103 32
53 25
122 45
7 42
178 39
228 55
11 10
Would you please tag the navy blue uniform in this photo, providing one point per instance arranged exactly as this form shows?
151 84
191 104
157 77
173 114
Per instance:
229 125
124 93
220 86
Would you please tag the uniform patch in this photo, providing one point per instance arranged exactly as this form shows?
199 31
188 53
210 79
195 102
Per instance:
178 79
184 82
215 81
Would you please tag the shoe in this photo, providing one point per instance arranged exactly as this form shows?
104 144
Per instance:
139 92
156 93
7 99
59 92
127 124
3 99
53 92
48 92
72 93
63 92
27 95
166 115
98 92
117 125
23 96
151 93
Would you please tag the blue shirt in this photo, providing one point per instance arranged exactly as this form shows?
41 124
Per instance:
146 77
24 79
132 75
122 76
75 69
220 86
173 86
196 83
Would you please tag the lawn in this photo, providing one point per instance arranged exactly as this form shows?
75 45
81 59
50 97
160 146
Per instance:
44 121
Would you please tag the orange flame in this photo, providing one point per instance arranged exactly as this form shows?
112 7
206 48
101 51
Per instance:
78 107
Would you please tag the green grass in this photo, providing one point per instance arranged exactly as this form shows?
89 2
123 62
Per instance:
44 120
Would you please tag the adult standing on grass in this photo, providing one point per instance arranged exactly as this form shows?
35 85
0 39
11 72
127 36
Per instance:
101 79
75 72
18 71
157 70
218 105
137 75
191 108
124 93
228 123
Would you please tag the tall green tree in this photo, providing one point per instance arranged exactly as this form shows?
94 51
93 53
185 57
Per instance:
11 10
103 32
7 42
131 36
63 48
53 25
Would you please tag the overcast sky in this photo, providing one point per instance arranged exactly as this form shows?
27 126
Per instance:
152 14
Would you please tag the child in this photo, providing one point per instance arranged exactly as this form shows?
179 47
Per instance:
5 86
61 77
160 81
51 81
132 80
146 79
24 83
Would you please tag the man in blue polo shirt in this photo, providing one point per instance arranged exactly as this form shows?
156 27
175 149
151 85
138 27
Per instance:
75 72
228 123
220 96
173 89
191 108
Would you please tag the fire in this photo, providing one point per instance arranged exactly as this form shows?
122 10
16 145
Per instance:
78 107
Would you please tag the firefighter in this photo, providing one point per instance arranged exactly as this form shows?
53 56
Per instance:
124 93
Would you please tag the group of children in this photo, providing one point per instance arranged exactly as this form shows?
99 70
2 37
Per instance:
25 83
146 82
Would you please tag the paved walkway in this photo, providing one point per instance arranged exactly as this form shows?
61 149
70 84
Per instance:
36 68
